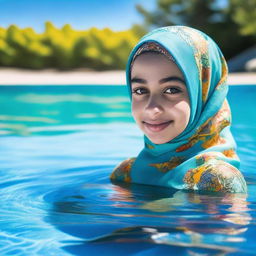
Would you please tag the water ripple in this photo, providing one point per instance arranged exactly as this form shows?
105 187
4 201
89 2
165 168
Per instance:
56 197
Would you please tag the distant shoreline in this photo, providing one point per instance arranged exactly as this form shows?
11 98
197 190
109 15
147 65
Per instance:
13 76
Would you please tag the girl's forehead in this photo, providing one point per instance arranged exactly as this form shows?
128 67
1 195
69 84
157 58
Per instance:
154 62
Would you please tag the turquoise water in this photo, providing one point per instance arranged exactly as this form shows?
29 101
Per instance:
58 146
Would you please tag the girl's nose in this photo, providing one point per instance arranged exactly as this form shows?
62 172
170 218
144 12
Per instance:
154 106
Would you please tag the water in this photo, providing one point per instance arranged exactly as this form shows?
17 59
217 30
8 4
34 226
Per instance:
58 146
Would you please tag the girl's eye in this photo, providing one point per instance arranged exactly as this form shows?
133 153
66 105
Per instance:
172 90
139 91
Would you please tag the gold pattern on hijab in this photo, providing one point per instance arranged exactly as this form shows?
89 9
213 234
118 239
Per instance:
152 47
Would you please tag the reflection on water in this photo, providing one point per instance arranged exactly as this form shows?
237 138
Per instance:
52 99
180 220
25 108
58 147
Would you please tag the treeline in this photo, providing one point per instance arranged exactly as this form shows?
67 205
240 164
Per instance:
231 23
66 48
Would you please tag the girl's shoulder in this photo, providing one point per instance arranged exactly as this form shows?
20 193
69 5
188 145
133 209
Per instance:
122 171
217 176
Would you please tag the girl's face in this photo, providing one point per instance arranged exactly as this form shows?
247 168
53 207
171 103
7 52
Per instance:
160 101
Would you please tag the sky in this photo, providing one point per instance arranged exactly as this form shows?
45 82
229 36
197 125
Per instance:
81 14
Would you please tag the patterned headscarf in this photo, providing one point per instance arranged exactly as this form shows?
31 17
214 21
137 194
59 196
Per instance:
205 152
152 47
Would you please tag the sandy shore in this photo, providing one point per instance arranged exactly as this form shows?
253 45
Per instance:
81 77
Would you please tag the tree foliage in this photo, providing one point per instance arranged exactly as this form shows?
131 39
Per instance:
244 15
66 48
233 22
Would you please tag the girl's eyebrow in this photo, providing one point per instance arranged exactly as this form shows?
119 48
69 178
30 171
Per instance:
138 80
161 81
171 78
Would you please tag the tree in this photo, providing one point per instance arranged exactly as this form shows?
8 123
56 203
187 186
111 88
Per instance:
244 15
208 16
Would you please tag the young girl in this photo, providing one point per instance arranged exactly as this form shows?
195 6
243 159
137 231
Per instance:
176 78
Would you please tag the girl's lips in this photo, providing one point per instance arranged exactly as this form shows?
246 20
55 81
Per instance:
156 127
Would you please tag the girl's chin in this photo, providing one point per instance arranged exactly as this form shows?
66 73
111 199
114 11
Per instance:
159 140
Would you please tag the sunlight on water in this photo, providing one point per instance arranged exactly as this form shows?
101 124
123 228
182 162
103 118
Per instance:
58 147
27 119
51 99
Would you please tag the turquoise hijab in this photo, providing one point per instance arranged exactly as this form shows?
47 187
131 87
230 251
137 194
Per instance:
203 156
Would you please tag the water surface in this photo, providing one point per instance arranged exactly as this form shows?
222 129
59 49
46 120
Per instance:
58 146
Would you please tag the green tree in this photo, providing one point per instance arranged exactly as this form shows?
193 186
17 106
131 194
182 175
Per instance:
26 48
244 15
206 15
65 48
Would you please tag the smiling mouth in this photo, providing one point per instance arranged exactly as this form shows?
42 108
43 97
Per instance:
157 127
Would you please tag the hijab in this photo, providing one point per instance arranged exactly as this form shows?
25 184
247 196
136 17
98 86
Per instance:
204 155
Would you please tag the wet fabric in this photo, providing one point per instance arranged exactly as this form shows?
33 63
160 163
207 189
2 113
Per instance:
203 156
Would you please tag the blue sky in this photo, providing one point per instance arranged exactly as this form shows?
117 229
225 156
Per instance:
81 14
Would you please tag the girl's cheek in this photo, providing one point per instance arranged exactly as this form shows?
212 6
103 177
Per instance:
136 103
180 108
184 110
134 108
137 109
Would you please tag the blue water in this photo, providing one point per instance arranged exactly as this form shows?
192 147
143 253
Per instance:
58 146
